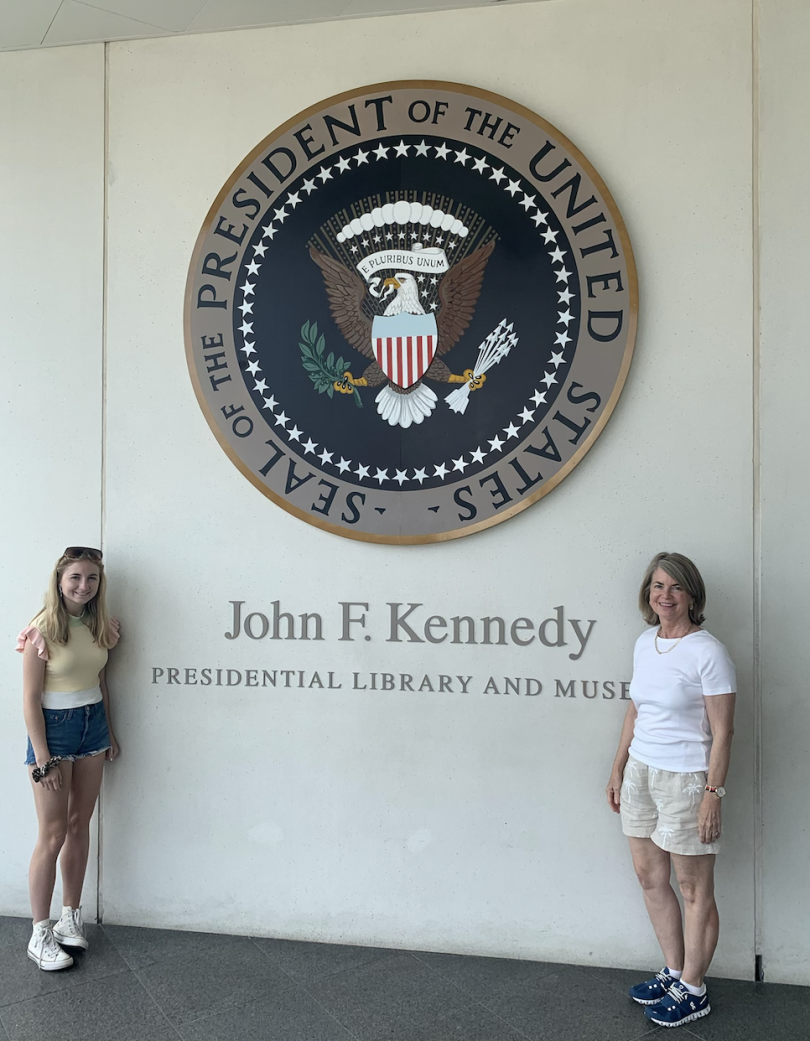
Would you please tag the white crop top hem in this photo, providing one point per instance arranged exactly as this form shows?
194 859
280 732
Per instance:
64 699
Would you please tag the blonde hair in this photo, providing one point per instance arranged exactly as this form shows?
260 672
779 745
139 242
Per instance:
53 620
685 573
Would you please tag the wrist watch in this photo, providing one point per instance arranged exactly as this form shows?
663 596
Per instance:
718 790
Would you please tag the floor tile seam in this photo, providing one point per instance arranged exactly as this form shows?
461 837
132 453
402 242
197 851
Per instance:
475 1001
507 1023
277 965
511 1026
299 984
187 1019
468 998
192 1020
117 949
455 986
343 1026
524 984
356 1037
331 975
327 1011
693 1030
71 986
302 985
323 976
134 967
614 988
157 1004
338 972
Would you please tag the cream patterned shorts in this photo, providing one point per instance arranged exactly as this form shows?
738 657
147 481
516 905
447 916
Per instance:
663 806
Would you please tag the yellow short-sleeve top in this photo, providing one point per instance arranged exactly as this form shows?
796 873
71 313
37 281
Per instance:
73 666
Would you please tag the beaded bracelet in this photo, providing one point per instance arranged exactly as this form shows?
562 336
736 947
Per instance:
40 771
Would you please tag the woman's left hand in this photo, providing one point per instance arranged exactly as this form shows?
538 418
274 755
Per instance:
613 790
113 751
709 819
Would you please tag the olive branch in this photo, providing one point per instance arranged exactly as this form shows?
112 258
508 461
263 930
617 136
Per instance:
323 371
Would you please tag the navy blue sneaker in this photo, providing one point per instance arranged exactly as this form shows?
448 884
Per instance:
678 1006
650 992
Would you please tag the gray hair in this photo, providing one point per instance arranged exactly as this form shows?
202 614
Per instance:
685 573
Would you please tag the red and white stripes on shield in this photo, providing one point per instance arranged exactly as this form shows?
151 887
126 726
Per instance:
404 359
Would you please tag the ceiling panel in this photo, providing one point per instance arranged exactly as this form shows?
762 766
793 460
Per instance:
34 23
226 14
358 7
80 23
174 15
23 23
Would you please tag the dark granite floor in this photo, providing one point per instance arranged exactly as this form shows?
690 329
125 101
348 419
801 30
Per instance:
159 985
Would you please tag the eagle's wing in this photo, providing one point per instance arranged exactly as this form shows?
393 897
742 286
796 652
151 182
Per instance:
346 290
458 293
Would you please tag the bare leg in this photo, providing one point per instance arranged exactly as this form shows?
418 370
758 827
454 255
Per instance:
84 789
652 866
701 921
52 815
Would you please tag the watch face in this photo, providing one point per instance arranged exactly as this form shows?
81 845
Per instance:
721 792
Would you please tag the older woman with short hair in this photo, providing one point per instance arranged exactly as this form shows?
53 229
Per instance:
667 781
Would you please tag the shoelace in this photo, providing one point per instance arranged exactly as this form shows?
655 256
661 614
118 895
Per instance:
73 923
677 993
663 977
49 946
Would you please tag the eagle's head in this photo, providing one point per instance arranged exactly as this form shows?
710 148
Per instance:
407 298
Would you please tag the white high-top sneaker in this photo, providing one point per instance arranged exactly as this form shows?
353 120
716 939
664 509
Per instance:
45 951
69 930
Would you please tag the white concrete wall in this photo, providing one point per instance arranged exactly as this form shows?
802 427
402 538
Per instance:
51 267
469 822
785 221
459 822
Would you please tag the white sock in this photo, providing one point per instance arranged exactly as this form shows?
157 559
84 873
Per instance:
697 991
674 973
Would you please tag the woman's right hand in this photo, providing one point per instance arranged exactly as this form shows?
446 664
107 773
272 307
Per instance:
52 781
613 790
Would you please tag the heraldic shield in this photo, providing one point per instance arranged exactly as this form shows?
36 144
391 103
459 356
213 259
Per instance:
404 346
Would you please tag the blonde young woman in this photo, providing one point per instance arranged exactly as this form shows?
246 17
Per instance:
66 708
667 781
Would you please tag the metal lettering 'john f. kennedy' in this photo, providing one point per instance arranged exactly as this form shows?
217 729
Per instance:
410 312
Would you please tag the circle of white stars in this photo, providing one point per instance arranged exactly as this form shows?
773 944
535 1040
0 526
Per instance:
520 192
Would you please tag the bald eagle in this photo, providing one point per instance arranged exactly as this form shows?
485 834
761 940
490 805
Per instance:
458 294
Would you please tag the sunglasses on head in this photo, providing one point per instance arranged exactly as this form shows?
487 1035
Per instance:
77 552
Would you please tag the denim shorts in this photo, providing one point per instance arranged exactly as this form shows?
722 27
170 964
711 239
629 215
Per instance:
74 733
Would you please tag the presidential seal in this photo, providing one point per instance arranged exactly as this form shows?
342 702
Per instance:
410 312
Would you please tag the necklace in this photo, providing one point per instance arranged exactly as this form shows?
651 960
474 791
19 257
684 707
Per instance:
669 649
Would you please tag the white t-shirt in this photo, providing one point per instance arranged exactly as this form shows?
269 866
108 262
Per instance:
672 728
